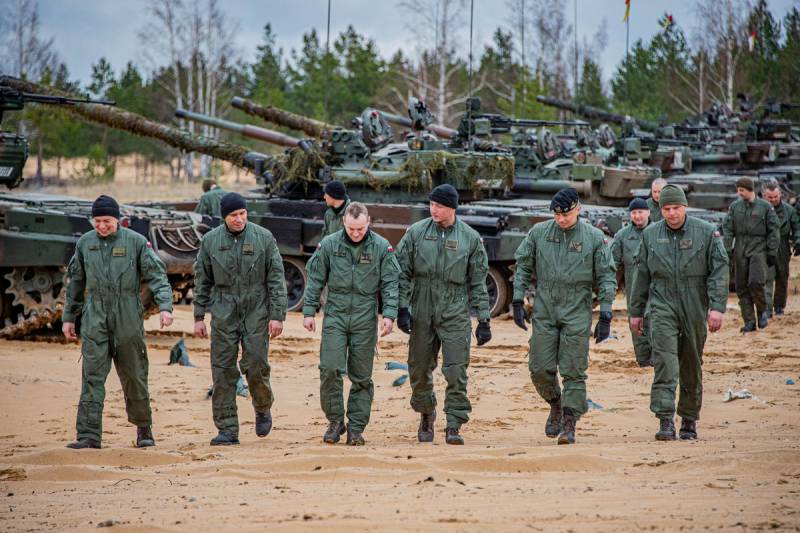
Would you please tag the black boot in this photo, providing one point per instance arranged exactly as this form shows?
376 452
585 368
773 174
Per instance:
645 364
778 311
225 439
748 327
763 320
335 431
688 429
452 436
553 426
567 435
425 431
666 429
85 442
355 438
263 423
144 437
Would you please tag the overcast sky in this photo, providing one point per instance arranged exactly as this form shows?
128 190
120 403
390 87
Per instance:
85 30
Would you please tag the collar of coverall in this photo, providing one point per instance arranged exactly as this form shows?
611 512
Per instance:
354 243
236 233
110 236
447 228
338 210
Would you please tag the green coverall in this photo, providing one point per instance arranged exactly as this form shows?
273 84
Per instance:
680 274
104 289
623 250
778 276
209 202
239 279
655 210
751 231
442 273
356 275
566 263
333 219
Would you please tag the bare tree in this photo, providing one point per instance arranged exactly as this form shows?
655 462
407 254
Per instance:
23 50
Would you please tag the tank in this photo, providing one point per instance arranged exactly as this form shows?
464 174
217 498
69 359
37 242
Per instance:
309 126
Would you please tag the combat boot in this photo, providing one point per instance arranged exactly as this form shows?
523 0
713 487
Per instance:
335 431
748 327
666 429
144 437
763 320
553 426
452 436
567 435
263 423
225 439
688 429
355 438
425 431
85 442
778 311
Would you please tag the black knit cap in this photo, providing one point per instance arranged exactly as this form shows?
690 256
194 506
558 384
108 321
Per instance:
105 206
233 201
336 190
637 203
564 200
445 194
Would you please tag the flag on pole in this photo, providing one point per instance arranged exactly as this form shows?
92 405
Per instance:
751 41
627 11
666 21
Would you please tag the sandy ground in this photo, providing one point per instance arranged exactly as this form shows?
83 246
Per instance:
744 472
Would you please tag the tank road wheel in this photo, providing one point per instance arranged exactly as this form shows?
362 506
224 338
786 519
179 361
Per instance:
37 289
497 286
296 278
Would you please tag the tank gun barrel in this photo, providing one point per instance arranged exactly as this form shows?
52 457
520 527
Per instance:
594 112
281 117
12 99
400 120
253 132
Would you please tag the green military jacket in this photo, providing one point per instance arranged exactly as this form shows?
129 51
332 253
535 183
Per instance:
443 268
209 202
333 218
579 256
788 226
238 276
105 276
683 270
655 210
751 228
624 250
355 274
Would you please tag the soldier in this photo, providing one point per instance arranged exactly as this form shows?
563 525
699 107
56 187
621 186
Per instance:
337 201
358 266
567 256
655 194
789 233
681 281
239 279
624 250
104 290
443 268
209 202
750 234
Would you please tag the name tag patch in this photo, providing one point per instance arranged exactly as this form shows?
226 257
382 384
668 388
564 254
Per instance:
662 241
685 244
575 246
552 239
365 259
247 249
451 245
430 237
118 251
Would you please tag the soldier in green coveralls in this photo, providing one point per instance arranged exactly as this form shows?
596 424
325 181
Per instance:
239 279
567 256
789 234
337 201
209 201
655 194
624 250
681 281
104 290
358 266
443 268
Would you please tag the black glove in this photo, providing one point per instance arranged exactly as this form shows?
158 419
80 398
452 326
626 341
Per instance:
483 332
602 329
771 261
404 320
519 314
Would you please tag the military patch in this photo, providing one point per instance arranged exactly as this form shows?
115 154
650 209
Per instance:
552 239
149 244
451 245
391 249
248 249
575 246
717 234
431 237
339 253
224 247
319 246
118 251
94 247
365 259
662 241
685 244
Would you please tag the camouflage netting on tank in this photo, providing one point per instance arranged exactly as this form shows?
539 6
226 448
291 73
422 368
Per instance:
281 117
298 166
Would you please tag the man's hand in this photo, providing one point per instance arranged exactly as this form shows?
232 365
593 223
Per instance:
387 326
483 333
166 319
602 329
200 329
310 324
520 315
714 321
275 328
404 320
637 325
772 260
68 329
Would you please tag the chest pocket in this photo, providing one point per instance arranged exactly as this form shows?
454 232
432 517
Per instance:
693 260
342 270
252 261
223 265
426 250
367 273
123 270
631 248
659 258
456 261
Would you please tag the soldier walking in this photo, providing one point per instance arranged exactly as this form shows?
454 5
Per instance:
789 234
337 201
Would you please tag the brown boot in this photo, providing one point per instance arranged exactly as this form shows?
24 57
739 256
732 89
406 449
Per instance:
567 435
688 429
553 426
144 437
666 429
334 433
